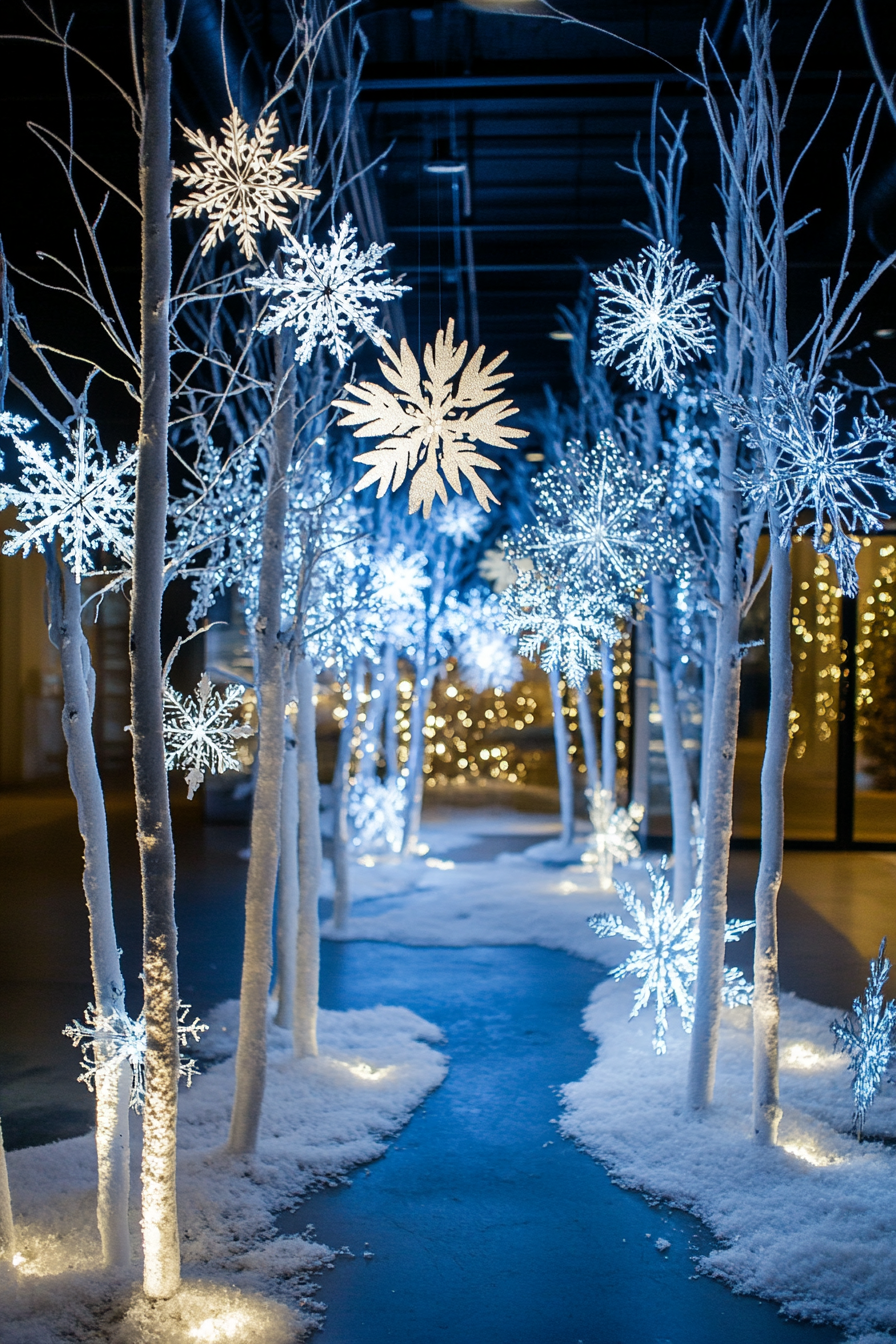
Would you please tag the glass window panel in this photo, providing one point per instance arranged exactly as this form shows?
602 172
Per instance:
875 795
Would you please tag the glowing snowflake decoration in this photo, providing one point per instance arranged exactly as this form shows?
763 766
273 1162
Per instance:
200 731
651 309
867 1037
81 497
804 464
325 291
558 623
666 958
399 579
432 426
462 521
377 811
485 655
614 837
242 183
107 1042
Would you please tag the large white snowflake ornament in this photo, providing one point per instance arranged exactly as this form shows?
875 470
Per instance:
653 317
665 960
107 1041
868 1038
558 623
326 291
200 731
614 835
242 183
431 427
81 496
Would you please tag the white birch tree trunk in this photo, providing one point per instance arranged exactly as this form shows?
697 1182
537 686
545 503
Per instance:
419 707
390 710
589 738
644 684
608 721
288 881
113 1079
709 681
342 893
304 1032
564 765
161 1248
766 1008
676 761
7 1227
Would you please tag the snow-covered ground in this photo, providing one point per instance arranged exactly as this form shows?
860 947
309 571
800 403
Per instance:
321 1118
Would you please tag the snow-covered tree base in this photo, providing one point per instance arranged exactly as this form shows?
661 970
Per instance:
322 1117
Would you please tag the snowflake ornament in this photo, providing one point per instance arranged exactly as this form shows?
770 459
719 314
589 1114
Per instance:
109 1041
868 1038
432 426
325 291
377 811
200 731
614 837
558 623
665 960
462 521
485 655
82 497
242 183
652 318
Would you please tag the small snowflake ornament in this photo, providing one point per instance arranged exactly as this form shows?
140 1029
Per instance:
82 497
107 1041
200 731
614 837
377 811
652 317
431 427
559 623
243 183
868 1038
326 292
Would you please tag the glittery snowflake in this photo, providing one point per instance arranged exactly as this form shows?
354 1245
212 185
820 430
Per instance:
377 811
652 309
200 730
485 655
666 958
109 1041
868 1038
432 426
325 291
614 837
804 464
81 497
558 623
242 183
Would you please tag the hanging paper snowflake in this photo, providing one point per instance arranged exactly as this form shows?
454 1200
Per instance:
377 811
652 309
558 623
109 1041
325 291
200 731
242 183
81 497
804 464
614 836
666 958
431 428
868 1038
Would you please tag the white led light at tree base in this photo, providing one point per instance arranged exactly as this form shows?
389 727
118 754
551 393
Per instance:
804 464
666 958
652 318
108 1040
868 1038
429 428
614 836
200 731
325 291
242 183
81 496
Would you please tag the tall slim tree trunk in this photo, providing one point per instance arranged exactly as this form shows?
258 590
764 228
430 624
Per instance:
113 1078
608 721
766 1011
288 881
709 681
717 822
304 1035
419 708
372 730
7 1227
390 711
564 765
161 1249
644 685
589 739
342 894
251 1055
676 761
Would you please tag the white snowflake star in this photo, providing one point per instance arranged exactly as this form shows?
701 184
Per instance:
461 520
326 290
242 183
485 655
867 1037
651 309
108 1041
200 731
377 810
558 622
613 839
82 497
666 958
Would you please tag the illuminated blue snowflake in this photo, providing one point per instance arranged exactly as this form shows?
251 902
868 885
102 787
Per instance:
325 291
867 1037
666 958
485 655
377 811
651 309
462 520
803 464
558 623
109 1041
